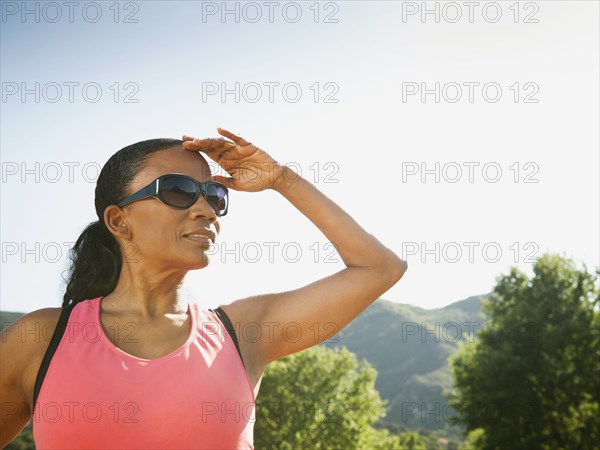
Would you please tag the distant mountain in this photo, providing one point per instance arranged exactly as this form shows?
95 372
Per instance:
8 317
409 347
471 305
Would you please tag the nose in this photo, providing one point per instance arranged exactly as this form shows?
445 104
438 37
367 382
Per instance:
203 209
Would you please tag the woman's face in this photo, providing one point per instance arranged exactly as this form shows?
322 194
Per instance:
154 231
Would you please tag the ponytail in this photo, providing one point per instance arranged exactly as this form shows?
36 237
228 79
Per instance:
95 264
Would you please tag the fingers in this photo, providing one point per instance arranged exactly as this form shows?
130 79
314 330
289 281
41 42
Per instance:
191 140
235 138
214 147
229 182
208 145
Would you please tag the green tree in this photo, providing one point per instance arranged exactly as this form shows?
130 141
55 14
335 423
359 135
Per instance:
532 379
23 441
413 441
321 398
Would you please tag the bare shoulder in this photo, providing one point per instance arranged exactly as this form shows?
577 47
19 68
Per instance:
32 330
247 317
246 310
30 334
25 342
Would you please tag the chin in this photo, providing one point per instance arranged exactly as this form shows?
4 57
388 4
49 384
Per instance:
199 264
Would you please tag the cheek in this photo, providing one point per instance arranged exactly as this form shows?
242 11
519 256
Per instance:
156 232
157 243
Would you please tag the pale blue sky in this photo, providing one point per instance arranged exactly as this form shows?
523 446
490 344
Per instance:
370 135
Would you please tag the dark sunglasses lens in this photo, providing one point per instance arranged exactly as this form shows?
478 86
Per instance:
216 196
179 192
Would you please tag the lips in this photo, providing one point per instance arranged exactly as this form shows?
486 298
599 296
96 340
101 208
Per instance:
199 239
202 235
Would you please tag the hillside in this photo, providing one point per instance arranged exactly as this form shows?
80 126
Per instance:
409 346
8 317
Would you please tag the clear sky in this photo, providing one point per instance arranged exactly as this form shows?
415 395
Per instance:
509 151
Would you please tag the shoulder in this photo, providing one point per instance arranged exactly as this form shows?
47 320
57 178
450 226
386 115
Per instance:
248 314
44 320
30 334
26 341
248 309
33 329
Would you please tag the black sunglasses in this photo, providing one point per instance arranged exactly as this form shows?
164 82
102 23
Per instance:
181 191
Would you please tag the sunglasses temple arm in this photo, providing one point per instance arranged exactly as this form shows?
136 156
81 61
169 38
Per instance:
149 191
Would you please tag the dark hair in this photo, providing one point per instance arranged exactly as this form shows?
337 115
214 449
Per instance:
96 256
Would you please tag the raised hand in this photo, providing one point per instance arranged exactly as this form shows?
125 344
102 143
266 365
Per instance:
251 168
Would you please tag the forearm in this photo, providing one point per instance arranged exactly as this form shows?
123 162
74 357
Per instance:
356 247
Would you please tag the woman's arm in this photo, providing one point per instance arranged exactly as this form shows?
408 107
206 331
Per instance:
20 345
321 309
294 320
356 247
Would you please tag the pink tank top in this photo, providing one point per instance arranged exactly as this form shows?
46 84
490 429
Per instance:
95 395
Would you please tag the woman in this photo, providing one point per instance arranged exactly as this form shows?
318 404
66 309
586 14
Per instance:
133 364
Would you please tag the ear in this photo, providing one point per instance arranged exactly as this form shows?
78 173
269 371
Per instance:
116 222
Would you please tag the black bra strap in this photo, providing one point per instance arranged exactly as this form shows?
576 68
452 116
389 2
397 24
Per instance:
59 331
225 319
